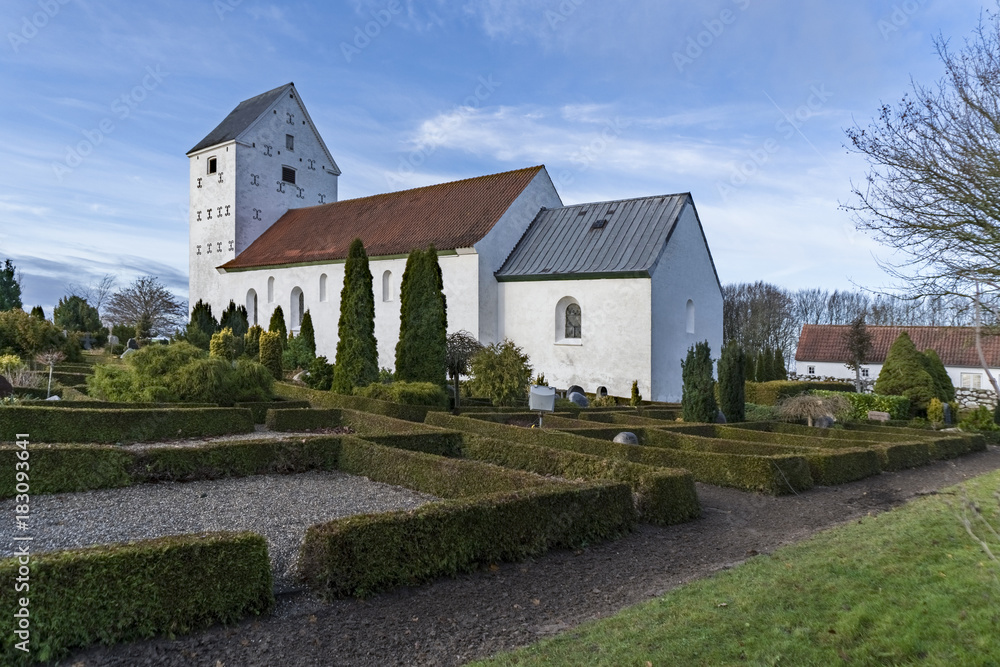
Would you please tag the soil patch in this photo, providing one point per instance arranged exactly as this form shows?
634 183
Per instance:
452 621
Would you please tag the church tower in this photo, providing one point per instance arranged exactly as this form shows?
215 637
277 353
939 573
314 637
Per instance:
266 157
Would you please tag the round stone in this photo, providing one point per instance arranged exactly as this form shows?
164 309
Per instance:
626 438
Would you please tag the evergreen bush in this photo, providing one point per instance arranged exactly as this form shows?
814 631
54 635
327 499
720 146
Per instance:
356 363
270 353
277 325
935 411
636 398
945 390
223 345
698 393
251 342
422 350
501 372
904 373
199 329
732 385
307 335
407 393
235 317
320 374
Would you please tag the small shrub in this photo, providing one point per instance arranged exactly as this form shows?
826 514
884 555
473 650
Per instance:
540 380
223 345
980 419
251 342
297 353
320 374
810 407
502 373
271 353
760 413
636 398
407 393
386 376
898 407
604 402
935 411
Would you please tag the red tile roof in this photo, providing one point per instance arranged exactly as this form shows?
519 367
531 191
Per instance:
449 215
955 345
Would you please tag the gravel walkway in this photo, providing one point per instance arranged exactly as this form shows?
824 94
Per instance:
451 621
279 507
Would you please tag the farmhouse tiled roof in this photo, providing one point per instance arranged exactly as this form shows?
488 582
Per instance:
955 345
449 216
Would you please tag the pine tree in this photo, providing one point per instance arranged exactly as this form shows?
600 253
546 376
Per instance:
356 363
270 353
763 366
277 325
10 287
732 390
308 335
904 374
251 342
945 390
636 398
422 350
201 326
235 318
698 397
778 371
38 313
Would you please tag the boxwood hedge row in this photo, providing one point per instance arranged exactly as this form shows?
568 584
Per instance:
664 496
125 592
362 555
46 424
259 408
328 399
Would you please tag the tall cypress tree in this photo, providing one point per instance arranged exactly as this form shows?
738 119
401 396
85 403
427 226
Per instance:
307 335
277 325
732 391
357 350
778 371
10 287
698 397
235 317
422 350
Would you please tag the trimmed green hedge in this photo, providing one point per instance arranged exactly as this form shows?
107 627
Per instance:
39 394
898 407
68 379
67 468
362 555
259 408
112 405
664 496
769 393
46 424
768 474
661 414
328 399
120 593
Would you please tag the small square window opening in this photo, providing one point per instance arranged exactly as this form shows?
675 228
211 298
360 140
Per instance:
288 175
213 165
811 370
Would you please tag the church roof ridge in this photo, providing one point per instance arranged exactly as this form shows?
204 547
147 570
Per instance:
240 118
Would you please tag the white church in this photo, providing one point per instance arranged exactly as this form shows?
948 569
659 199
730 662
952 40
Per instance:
597 295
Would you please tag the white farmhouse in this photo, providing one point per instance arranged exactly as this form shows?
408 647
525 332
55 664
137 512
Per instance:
597 295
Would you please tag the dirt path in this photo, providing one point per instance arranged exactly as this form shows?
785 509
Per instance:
455 620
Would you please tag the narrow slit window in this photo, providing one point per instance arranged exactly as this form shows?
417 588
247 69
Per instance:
289 142
213 165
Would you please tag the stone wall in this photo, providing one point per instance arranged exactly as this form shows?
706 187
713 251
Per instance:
971 398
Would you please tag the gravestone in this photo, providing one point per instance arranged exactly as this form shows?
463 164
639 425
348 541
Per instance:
6 388
825 421
875 415
579 399
626 438
112 340
720 418
87 341
127 352
575 389
947 413
132 344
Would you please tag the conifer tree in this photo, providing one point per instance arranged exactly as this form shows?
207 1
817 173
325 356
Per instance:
778 371
10 287
277 325
945 390
904 374
356 364
270 353
38 312
732 391
307 335
251 342
235 318
422 350
202 325
698 397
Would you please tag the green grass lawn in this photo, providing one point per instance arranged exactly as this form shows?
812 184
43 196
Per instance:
906 587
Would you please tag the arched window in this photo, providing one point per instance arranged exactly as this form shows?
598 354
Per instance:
387 286
298 307
573 321
252 307
270 289
602 391
322 287
690 316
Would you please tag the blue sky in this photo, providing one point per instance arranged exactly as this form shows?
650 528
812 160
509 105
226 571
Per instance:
741 102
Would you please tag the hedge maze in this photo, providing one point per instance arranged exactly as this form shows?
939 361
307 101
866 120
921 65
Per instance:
505 492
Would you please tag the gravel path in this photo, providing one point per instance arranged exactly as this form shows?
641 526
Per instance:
279 507
455 620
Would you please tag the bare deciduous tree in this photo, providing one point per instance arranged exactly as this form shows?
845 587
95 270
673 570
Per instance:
95 293
147 305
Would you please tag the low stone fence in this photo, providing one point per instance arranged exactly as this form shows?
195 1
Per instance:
972 398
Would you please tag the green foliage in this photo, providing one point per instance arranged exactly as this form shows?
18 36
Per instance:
188 582
217 381
320 374
698 393
251 342
26 336
945 390
277 325
113 426
422 350
10 287
636 398
898 407
199 331
604 402
223 345
905 374
501 372
732 385
770 393
540 380
75 314
407 393
307 336
413 413
935 411
271 354
38 312
356 363
980 419
235 318
778 371
297 354
760 413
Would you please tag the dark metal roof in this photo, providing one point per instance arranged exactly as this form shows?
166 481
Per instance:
614 237
240 118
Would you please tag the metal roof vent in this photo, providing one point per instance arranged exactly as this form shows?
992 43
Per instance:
599 224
